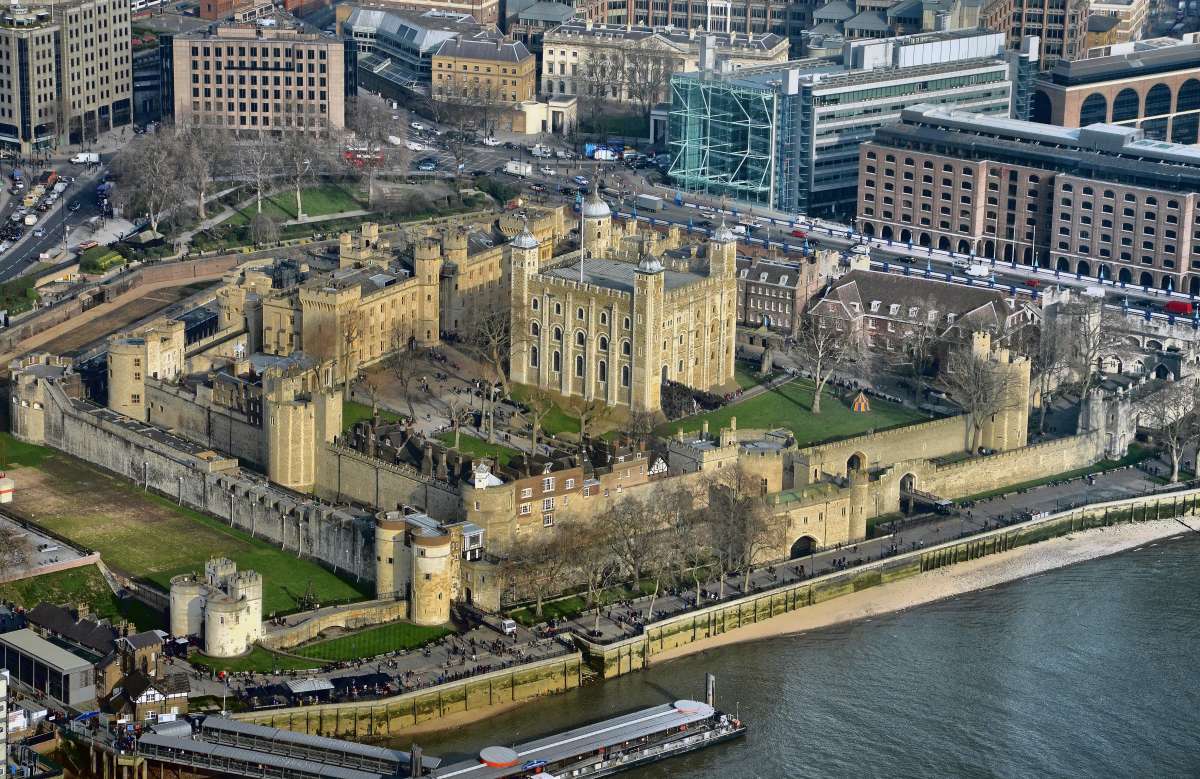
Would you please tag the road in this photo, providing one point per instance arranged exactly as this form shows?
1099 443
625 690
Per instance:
25 251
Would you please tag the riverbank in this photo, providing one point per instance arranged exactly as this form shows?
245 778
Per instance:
941 584
948 582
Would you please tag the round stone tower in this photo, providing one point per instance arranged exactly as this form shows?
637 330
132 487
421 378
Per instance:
597 226
389 548
187 605
430 596
226 631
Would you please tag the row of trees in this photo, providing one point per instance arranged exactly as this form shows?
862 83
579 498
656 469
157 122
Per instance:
687 534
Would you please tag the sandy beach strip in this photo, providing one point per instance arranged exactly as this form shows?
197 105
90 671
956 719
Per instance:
969 576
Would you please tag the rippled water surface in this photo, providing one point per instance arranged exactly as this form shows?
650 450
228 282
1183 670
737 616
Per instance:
1088 671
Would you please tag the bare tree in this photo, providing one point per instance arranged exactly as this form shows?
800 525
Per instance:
822 348
1087 332
591 413
258 162
264 229
403 365
150 177
639 425
491 339
373 125
1171 413
631 523
981 386
300 158
202 158
919 344
740 524
540 405
538 569
648 77
591 557
1048 348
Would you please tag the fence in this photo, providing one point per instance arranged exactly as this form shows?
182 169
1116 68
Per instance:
624 655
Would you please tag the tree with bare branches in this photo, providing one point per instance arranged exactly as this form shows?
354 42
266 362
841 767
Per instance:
921 337
402 364
1087 331
258 163
981 386
150 178
741 526
539 569
647 77
540 405
1048 347
491 339
822 348
1171 414
202 157
264 229
591 413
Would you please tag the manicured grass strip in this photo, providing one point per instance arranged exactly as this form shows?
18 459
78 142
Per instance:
258 660
360 412
573 605
318 201
555 422
477 447
1135 455
790 406
81 585
373 641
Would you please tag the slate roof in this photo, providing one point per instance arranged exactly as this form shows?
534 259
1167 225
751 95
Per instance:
868 20
496 51
97 636
836 11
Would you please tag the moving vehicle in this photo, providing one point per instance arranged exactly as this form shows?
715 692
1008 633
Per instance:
979 271
76 206
541 150
39 233
580 180
1178 307
427 165
86 158
961 264
649 202
604 155
546 171
30 220
415 146
418 126
798 233
491 142
518 168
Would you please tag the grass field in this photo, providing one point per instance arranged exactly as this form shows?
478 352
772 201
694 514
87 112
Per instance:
258 660
790 406
477 447
746 375
557 421
573 605
372 641
81 585
318 201
151 538
357 412
14 452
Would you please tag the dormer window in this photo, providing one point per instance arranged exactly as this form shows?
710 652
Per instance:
874 306
783 280
912 312
762 276
894 309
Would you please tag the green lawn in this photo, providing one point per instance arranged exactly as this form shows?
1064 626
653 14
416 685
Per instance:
573 605
151 538
258 660
318 201
359 412
789 406
477 447
373 641
746 375
557 421
81 585
14 452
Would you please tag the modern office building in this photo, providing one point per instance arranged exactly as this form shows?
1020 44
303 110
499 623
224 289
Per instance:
1060 25
67 74
786 137
1152 84
1101 200
396 48
253 77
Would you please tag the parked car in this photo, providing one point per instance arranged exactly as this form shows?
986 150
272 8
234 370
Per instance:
418 126
39 233
580 180
546 171
491 142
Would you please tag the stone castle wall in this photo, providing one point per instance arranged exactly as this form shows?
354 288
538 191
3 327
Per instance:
175 407
352 617
346 475
216 486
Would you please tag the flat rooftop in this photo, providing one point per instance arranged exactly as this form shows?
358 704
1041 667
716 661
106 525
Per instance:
614 274
1146 58
49 653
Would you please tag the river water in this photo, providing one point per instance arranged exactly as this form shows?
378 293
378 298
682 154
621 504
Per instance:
1091 670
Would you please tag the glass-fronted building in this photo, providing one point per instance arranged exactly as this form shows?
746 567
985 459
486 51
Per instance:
786 137
47 667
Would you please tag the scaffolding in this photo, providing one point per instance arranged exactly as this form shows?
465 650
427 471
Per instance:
723 138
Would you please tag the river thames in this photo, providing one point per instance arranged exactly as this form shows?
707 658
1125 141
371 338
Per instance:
1091 670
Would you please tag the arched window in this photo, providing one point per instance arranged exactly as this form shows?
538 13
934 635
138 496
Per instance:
557 331
602 343
602 370
533 357
624 375
1041 107
579 313
535 329
534 304
1184 128
603 317
558 309
579 365
580 338
1158 100
1188 98
625 324
556 361
626 349
1126 105
1094 110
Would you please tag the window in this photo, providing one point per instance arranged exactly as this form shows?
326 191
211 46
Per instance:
602 343
580 338
579 313
548 484
547 504
547 520
569 484
579 365
526 509
535 329
527 492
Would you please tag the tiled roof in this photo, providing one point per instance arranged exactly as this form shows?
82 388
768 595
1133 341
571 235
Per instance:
498 51
59 621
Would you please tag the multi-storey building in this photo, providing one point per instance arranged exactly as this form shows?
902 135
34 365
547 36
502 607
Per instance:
469 70
1059 25
254 78
740 16
787 136
622 62
1131 16
396 48
483 11
1152 84
773 293
598 326
1101 200
68 74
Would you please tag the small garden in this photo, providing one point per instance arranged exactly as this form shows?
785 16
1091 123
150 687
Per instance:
372 642
477 447
100 259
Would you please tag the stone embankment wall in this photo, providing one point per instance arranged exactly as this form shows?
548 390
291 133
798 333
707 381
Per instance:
631 654
390 716
1003 469
352 617
215 485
